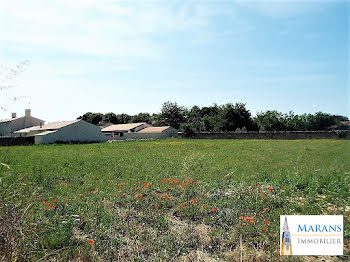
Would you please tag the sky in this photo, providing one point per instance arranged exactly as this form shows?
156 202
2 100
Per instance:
131 56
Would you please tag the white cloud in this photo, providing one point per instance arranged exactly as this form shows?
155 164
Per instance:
110 28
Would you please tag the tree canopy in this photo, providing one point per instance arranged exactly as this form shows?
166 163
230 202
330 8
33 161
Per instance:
223 118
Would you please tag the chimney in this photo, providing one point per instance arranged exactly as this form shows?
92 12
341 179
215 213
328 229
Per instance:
13 115
27 112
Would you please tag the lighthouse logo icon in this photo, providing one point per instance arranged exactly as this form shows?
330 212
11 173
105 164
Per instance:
286 244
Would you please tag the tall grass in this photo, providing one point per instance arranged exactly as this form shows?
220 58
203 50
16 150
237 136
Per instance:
165 200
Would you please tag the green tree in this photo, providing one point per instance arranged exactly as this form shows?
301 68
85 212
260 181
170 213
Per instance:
172 114
110 118
123 118
235 116
270 121
141 117
93 118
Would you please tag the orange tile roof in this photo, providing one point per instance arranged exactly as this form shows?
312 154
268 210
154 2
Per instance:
122 127
154 129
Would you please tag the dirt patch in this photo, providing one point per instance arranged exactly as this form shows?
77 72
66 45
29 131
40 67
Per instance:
199 231
320 258
177 225
202 231
196 256
245 253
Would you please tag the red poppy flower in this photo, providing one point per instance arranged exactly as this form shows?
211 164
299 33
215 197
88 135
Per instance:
244 224
264 228
193 201
91 242
270 188
196 183
54 200
265 209
266 222
240 217
214 209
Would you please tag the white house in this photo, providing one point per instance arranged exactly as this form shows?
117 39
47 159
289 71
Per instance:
147 132
66 131
8 126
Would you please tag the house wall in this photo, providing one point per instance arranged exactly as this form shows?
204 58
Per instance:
24 122
171 132
5 129
81 131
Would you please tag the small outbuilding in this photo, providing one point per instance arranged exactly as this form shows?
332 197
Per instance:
159 132
120 129
76 131
139 131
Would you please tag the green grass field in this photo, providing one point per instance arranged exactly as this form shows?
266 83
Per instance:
166 200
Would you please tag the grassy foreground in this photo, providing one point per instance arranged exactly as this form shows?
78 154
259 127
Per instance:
166 200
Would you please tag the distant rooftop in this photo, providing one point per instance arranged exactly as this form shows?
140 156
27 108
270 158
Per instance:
14 116
122 127
9 119
49 126
154 129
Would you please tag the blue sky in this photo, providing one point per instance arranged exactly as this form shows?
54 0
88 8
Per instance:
129 57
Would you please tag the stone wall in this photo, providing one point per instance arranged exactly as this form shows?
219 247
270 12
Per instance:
274 135
16 141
